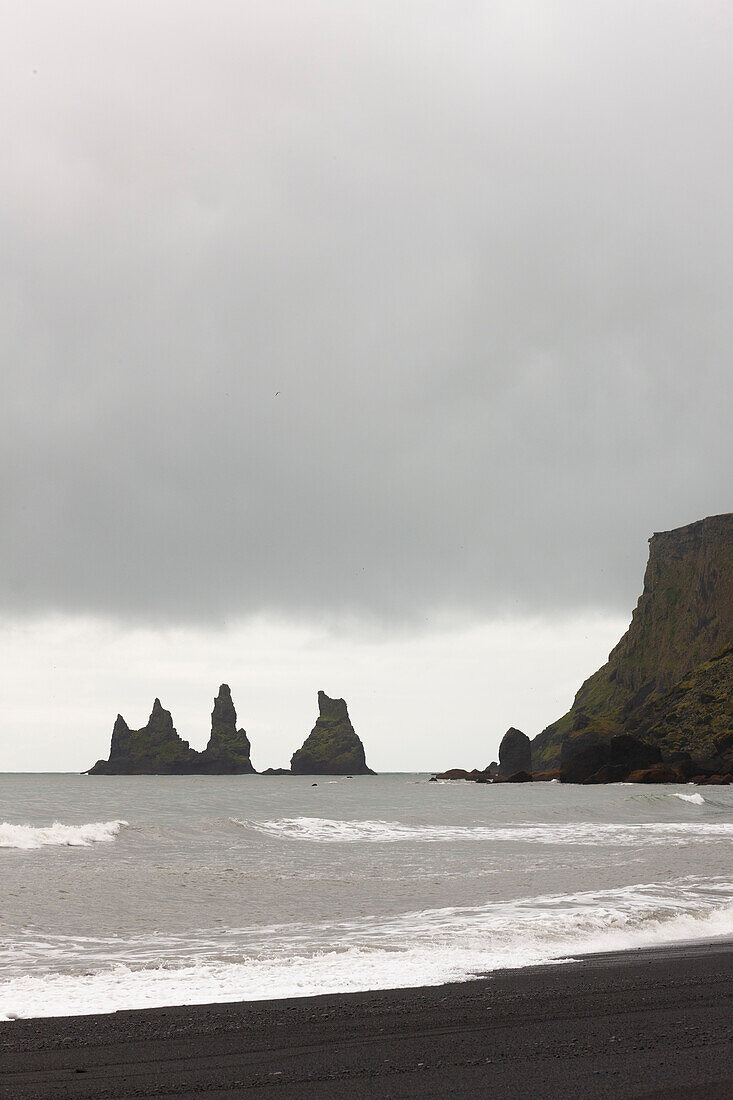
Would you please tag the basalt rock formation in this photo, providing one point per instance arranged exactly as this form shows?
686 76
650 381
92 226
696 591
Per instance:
228 749
332 747
701 702
475 776
670 679
623 759
661 709
597 761
157 749
515 753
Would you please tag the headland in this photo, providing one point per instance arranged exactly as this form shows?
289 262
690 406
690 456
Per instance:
660 710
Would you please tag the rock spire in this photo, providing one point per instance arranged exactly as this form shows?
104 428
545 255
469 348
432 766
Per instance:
332 747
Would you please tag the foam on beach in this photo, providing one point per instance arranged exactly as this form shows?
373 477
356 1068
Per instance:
233 890
429 947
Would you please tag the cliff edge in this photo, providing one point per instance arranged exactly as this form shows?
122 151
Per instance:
670 678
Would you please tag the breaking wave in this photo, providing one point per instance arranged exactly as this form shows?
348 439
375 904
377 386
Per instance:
695 799
74 836
418 948
324 830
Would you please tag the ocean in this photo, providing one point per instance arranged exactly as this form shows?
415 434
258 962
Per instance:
131 892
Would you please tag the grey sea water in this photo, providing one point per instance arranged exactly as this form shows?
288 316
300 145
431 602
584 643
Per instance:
121 892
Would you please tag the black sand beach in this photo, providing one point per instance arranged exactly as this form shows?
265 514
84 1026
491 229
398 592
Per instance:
638 1024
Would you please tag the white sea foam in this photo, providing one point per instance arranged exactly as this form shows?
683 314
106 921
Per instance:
696 799
423 948
385 888
323 830
75 836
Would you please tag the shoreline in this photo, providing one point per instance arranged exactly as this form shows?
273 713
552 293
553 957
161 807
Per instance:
647 1022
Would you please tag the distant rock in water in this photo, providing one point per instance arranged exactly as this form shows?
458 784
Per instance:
154 749
228 749
515 753
157 749
332 748
518 777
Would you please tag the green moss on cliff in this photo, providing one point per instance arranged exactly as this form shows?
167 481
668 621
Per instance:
701 704
332 747
683 618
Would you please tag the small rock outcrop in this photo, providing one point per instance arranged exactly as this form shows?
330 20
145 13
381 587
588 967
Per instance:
592 760
518 777
475 776
332 747
157 749
515 753
624 759
582 759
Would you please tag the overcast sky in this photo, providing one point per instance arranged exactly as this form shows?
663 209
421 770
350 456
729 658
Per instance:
380 322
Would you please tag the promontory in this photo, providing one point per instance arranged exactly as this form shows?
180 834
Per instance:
660 710
669 681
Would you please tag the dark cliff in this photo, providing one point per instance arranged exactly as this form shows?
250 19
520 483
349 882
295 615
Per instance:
669 679
332 747
515 753
701 704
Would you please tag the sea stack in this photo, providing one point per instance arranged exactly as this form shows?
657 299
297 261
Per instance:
157 749
515 753
333 747
228 749
669 681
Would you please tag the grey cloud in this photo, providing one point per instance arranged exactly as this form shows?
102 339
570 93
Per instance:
481 253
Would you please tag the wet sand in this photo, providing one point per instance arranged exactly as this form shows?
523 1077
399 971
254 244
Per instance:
638 1024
